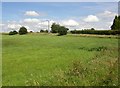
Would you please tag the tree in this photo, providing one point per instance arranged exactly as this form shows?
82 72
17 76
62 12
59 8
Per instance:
41 31
62 30
13 32
92 29
46 31
54 28
116 23
22 31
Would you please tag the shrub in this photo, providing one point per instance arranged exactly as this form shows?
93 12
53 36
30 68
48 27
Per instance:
13 32
92 29
22 31
41 30
54 28
116 23
99 32
31 31
46 31
62 30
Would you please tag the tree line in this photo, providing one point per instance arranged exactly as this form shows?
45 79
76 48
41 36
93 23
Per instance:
62 30
55 28
115 29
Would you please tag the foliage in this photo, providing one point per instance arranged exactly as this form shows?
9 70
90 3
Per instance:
41 31
62 30
22 31
13 32
92 29
31 31
99 32
46 31
116 23
55 28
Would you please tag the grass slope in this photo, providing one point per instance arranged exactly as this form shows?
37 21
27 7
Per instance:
38 59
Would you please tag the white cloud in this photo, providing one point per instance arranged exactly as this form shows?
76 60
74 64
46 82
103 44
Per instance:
91 18
2 25
101 29
110 23
70 23
27 27
31 13
43 24
31 20
107 14
14 26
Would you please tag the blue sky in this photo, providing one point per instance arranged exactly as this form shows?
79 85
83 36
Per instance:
73 15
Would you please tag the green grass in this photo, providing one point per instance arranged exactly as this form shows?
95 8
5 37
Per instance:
40 59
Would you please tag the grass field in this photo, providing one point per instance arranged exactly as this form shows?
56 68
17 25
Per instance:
50 60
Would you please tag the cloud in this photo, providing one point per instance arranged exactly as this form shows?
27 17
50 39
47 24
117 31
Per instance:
13 26
43 24
91 18
31 13
70 23
1 25
107 14
27 27
31 20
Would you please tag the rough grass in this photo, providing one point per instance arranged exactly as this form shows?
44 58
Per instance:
50 60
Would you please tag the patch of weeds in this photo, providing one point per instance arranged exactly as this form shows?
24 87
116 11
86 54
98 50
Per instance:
110 78
31 81
77 69
97 72
101 48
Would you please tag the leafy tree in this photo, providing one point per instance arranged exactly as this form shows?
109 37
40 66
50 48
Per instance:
116 23
92 29
31 31
41 31
54 28
62 30
46 31
13 32
22 31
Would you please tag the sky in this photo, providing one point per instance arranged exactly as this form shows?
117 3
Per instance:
59 0
73 15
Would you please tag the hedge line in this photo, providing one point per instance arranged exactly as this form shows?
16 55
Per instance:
99 32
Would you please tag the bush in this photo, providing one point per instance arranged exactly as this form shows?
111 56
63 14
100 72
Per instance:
46 31
99 32
22 31
41 30
13 32
54 28
31 31
62 30
116 23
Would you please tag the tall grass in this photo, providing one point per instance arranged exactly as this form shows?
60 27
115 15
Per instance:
49 60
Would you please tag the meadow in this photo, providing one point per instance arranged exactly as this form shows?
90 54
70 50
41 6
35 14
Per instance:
50 60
